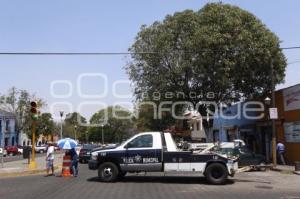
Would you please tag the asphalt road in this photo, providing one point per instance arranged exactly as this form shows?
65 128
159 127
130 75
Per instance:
153 186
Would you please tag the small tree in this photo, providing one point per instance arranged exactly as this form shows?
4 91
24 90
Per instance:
17 102
116 127
73 124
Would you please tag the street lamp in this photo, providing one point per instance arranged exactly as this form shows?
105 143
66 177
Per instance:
86 136
267 101
274 151
102 125
75 127
61 113
272 103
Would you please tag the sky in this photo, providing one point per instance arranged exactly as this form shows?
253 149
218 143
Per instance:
89 83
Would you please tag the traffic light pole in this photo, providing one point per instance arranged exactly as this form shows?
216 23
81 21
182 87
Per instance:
32 164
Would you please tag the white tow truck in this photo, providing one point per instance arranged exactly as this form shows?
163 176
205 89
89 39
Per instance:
157 152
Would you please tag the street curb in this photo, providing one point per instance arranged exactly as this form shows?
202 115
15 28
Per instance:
284 171
297 172
27 172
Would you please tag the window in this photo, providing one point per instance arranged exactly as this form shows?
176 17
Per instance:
7 126
142 141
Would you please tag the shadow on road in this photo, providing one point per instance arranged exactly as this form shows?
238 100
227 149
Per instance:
162 179
256 181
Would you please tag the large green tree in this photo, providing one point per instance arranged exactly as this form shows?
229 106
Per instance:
220 49
117 124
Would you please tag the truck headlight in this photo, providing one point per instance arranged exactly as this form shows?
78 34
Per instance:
94 156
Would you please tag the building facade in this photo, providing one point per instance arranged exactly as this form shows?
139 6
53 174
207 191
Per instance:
24 140
235 122
195 123
8 134
288 124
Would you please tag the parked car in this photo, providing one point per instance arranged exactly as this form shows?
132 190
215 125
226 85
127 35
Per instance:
246 156
12 150
20 149
85 152
41 149
3 151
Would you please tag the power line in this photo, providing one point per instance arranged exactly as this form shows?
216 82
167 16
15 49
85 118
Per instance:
76 53
119 53
290 48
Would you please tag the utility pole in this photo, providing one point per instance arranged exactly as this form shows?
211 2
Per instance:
86 136
3 131
75 132
274 151
102 125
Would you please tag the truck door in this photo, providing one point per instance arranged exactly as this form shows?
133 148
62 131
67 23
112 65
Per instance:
141 155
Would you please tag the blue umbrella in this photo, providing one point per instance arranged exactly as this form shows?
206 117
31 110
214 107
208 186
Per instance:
67 143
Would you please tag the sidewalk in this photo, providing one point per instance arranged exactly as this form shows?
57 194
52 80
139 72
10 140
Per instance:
286 169
20 167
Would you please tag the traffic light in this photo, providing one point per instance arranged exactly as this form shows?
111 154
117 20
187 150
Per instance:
34 110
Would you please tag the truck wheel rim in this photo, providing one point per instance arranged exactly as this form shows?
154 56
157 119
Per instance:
216 174
107 172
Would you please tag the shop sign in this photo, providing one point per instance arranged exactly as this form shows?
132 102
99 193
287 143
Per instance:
292 132
291 98
273 113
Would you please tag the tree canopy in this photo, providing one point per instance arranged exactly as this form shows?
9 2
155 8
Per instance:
220 49
44 125
75 123
17 102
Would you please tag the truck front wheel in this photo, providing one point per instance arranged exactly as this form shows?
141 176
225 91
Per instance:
216 173
108 172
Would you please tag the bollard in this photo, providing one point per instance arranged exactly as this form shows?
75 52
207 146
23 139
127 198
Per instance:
297 166
66 172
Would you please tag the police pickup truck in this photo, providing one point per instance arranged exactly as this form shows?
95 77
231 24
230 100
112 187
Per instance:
157 152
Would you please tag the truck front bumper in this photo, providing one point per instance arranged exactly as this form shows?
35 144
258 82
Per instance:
232 167
93 164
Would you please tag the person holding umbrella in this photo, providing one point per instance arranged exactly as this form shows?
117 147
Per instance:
74 166
70 144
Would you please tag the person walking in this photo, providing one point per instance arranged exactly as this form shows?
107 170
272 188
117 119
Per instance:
50 159
280 152
74 165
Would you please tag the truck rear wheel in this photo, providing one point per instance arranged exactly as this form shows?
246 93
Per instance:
108 172
216 173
